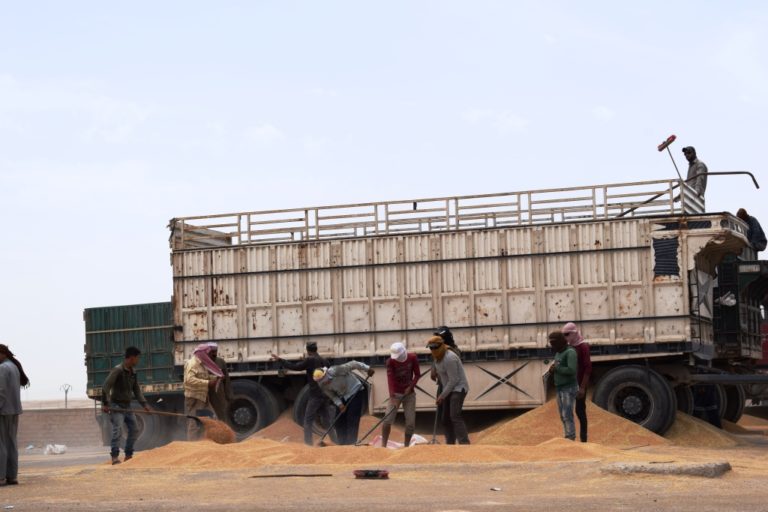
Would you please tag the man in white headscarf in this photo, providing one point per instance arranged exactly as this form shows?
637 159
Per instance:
403 373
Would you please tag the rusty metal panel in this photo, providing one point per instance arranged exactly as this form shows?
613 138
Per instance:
506 287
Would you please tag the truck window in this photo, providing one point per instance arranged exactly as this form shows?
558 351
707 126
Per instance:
665 257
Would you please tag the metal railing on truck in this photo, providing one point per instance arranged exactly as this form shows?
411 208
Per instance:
532 207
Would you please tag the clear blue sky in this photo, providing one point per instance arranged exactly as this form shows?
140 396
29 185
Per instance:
115 117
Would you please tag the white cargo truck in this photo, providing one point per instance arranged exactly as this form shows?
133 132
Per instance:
640 267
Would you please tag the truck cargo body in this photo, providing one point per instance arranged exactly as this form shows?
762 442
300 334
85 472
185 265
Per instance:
500 290
149 327
633 264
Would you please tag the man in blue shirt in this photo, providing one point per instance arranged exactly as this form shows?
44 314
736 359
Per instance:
755 233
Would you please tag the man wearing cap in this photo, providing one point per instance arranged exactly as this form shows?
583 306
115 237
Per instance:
220 396
447 336
318 402
451 375
697 171
347 392
583 373
403 373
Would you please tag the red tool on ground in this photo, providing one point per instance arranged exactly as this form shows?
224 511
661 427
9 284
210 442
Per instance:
372 474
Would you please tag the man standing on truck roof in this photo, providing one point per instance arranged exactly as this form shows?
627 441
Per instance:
119 389
755 233
403 373
584 372
12 378
564 369
317 404
347 392
697 171
220 396
451 375
201 375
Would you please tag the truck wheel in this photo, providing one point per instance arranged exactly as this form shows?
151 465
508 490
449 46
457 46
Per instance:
684 398
151 432
253 408
638 394
735 400
321 424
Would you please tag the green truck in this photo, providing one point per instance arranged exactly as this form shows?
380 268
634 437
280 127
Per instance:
109 330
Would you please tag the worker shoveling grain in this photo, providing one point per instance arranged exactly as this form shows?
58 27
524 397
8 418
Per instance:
218 431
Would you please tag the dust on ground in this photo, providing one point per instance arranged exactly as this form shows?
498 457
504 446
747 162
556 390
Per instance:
552 475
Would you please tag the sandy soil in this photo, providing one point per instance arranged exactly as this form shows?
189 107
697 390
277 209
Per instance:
530 486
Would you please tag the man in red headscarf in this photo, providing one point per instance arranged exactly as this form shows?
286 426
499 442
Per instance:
201 374
583 373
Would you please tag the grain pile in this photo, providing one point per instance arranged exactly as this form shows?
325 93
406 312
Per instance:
735 428
754 424
255 453
693 432
285 430
218 431
543 423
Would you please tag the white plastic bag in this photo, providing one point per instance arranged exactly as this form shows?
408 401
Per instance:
394 445
55 449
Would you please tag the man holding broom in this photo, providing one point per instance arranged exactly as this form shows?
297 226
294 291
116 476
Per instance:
201 374
403 373
118 390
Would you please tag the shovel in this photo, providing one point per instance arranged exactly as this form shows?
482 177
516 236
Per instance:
434 428
161 413
321 442
394 409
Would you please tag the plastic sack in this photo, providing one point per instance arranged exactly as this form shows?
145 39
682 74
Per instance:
55 449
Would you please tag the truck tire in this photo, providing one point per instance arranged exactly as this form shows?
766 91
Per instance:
300 405
702 398
638 394
151 432
735 400
253 408
684 398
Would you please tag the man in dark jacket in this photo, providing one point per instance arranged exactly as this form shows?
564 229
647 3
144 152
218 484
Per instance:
697 171
119 389
755 233
12 379
318 404
220 396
